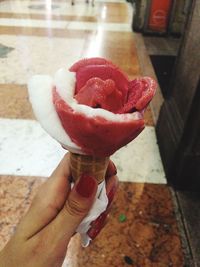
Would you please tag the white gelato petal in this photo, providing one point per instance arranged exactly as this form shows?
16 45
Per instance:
40 95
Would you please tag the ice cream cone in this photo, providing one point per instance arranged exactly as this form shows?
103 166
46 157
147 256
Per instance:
84 164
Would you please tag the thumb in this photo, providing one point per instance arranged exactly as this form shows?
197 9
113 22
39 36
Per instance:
80 200
77 206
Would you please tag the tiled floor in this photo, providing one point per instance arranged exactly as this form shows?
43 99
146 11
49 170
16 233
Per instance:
149 236
40 37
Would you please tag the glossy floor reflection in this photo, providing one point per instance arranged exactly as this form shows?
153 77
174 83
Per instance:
40 37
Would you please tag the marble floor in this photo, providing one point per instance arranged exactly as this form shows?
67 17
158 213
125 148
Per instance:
40 37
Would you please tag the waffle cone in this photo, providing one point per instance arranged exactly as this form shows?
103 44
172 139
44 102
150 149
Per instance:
83 164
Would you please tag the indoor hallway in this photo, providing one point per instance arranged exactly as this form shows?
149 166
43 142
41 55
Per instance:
41 37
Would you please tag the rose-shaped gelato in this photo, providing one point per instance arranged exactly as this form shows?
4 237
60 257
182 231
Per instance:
93 108
106 110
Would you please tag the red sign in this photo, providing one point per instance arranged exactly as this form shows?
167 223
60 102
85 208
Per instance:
159 15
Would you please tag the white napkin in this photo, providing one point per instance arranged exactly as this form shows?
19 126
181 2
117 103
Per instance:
98 207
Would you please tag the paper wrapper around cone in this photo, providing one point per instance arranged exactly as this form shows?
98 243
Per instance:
84 164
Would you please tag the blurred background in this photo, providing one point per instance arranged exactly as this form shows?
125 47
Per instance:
155 218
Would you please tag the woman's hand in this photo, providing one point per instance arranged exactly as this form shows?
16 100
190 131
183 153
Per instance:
42 237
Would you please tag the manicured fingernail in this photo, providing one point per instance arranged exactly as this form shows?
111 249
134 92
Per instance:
112 170
97 225
86 186
100 219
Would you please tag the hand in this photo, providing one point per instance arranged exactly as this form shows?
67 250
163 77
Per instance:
42 237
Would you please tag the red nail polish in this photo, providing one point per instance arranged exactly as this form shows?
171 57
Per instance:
86 186
100 220
112 170
97 225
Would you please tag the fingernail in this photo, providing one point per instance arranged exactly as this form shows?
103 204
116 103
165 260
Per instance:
112 170
86 186
97 225
99 221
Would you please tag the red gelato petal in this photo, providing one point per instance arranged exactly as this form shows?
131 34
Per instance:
90 61
140 93
103 72
95 135
100 94
148 90
99 223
